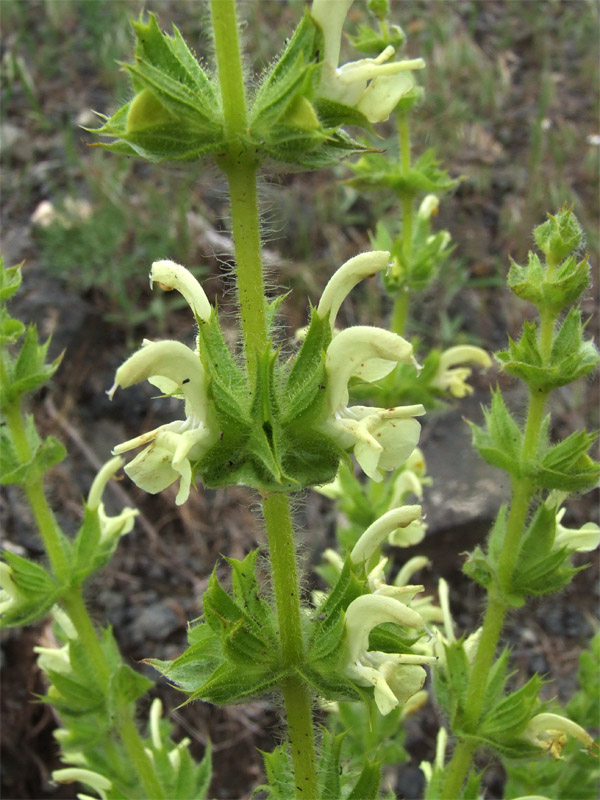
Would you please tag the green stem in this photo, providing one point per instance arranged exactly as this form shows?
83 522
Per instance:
45 521
229 64
400 312
497 607
406 201
248 257
74 605
241 170
138 756
298 705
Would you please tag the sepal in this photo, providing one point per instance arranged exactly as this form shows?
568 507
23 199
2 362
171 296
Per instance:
566 466
29 370
238 631
541 568
28 591
371 43
374 170
500 441
571 356
10 280
503 725
565 286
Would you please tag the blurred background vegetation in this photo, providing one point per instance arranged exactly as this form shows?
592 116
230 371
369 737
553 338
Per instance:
511 105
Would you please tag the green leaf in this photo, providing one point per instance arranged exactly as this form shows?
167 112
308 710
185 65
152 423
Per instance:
195 665
567 284
570 358
242 647
229 684
373 43
478 568
176 112
329 683
220 610
29 370
306 380
377 170
280 774
257 613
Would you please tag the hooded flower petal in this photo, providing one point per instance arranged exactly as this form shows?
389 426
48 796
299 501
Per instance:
169 275
367 612
349 355
10 595
394 676
550 731
582 540
98 782
346 278
378 531
453 379
116 526
168 359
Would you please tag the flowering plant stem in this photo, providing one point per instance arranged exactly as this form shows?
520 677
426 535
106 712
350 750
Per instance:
497 608
241 171
400 310
297 698
74 605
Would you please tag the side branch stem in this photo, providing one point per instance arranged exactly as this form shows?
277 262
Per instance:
497 607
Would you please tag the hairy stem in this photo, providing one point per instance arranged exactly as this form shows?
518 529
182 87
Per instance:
34 490
497 607
241 170
298 706
74 605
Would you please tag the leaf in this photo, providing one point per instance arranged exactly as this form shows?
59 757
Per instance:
196 664
229 684
257 613
29 370
220 610
306 378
